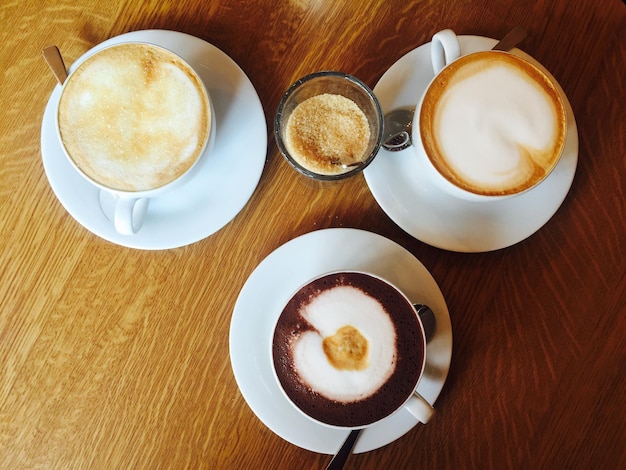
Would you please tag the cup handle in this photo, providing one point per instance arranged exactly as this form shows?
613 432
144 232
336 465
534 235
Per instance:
444 48
129 214
420 408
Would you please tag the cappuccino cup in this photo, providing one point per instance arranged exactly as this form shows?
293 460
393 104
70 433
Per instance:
329 126
348 350
491 124
135 120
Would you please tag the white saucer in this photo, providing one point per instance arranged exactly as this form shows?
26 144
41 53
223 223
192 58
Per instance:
435 217
268 289
229 175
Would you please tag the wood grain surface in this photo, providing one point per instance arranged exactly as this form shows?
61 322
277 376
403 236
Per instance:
115 358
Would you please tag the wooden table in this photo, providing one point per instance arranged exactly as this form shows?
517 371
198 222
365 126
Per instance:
113 357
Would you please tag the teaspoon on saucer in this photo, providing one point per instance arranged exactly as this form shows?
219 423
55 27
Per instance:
398 122
339 459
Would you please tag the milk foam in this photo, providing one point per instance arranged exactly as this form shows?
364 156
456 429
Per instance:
329 311
133 117
497 124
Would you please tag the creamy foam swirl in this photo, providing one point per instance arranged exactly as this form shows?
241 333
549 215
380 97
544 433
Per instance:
492 123
329 312
134 117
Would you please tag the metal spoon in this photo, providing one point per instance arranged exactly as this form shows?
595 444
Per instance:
339 459
398 122
398 129
344 452
53 58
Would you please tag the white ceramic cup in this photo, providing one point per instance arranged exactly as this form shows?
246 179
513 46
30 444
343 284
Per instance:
412 402
131 206
445 50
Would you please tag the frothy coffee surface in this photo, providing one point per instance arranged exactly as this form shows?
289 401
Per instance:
348 349
327 131
493 124
134 117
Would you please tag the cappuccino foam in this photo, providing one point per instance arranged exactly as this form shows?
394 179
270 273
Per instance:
348 349
493 124
134 117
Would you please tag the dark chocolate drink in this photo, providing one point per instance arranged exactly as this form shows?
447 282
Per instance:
348 349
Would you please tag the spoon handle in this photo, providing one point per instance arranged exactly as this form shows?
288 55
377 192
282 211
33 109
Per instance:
342 455
511 39
53 58
427 316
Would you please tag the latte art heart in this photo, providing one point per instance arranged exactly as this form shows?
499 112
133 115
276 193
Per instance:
492 124
503 128
347 349
329 313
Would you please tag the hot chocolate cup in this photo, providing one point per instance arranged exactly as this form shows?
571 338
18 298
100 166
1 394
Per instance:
327 385
162 119
491 125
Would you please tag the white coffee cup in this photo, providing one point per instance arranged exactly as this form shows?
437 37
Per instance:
136 121
372 319
490 125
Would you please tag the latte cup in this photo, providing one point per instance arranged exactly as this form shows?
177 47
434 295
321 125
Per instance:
348 350
490 125
135 120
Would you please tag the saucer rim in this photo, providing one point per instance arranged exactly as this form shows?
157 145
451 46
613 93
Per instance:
420 219
200 220
318 252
